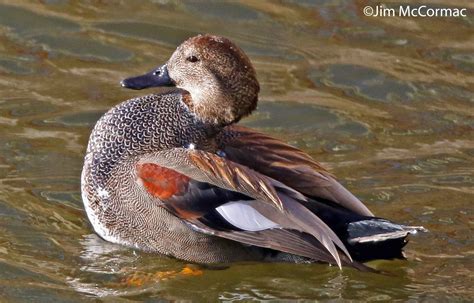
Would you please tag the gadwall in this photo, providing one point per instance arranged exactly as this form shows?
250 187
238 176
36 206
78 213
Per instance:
171 173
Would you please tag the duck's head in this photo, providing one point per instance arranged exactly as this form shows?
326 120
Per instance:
219 77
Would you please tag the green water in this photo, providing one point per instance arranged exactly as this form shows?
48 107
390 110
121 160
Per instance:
386 103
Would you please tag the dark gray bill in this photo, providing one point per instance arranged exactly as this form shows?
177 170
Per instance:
157 77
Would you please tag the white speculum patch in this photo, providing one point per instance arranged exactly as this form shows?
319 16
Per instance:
242 215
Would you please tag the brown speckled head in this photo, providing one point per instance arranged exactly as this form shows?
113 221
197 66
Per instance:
219 77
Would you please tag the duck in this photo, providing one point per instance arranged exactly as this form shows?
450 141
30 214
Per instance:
173 173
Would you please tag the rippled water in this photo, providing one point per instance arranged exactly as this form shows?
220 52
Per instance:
386 103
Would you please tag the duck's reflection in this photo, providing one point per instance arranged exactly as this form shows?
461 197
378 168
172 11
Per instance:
104 257
109 270
104 269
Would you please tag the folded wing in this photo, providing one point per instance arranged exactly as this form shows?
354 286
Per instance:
204 182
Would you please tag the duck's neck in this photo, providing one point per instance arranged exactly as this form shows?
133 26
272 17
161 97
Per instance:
220 107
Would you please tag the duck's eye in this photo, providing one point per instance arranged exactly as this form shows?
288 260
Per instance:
192 59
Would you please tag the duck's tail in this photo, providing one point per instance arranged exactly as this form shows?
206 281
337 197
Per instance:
375 238
366 238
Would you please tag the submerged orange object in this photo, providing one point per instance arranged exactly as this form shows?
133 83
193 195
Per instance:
161 182
189 271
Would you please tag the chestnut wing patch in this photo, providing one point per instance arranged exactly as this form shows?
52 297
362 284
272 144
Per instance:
183 196
162 182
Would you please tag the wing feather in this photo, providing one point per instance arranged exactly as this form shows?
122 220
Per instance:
284 240
274 200
287 164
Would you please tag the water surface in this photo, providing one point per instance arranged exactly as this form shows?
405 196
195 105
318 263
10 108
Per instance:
386 104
